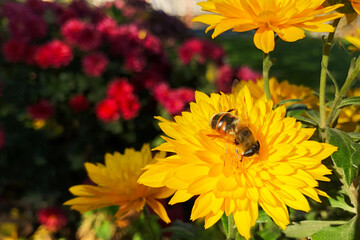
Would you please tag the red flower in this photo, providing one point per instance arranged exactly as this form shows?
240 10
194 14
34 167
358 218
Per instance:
41 110
53 54
129 107
245 73
53 218
122 92
119 88
81 34
2 138
94 64
107 110
79 103
14 50
150 78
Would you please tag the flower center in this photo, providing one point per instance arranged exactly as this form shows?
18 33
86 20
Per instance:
267 17
235 162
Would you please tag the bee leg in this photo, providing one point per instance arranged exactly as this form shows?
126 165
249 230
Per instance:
237 153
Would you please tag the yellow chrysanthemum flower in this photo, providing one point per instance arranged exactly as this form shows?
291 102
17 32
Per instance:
355 41
211 166
288 19
117 185
349 117
280 91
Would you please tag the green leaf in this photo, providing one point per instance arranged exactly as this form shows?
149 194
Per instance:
306 120
347 156
296 107
314 115
307 228
340 202
263 217
355 136
350 101
343 232
182 230
225 223
286 101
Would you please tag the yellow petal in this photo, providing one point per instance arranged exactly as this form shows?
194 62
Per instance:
291 34
264 39
158 209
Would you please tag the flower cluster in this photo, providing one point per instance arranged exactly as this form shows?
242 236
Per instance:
120 102
173 100
200 50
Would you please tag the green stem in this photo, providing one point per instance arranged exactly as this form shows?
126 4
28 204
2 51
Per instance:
323 73
353 72
148 223
266 68
231 228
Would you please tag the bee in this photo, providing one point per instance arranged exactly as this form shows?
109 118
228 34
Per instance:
227 124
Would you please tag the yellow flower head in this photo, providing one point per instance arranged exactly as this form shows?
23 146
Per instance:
273 164
355 41
280 91
288 19
349 117
117 185
356 5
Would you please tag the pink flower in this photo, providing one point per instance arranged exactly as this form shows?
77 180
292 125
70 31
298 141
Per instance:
161 92
107 27
53 54
201 50
53 218
245 73
152 44
94 64
107 110
186 94
41 110
79 103
14 50
189 49
225 78
136 61
173 100
81 34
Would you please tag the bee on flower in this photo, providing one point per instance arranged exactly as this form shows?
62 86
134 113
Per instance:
268 162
